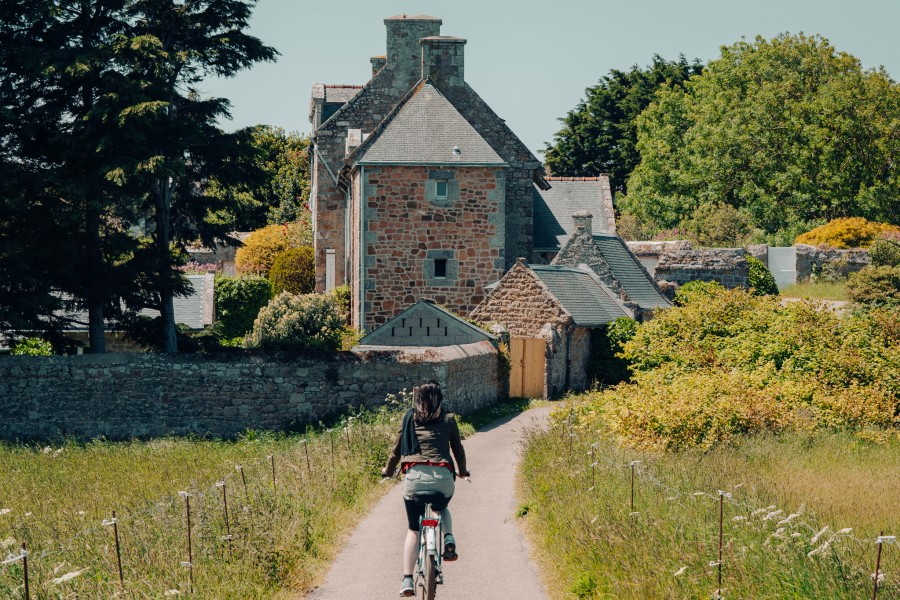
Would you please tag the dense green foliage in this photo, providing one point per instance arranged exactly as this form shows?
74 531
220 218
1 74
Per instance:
885 251
800 515
787 131
600 133
32 347
238 302
307 322
760 278
875 286
106 135
728 363
294 271
275 188
620 331
846 232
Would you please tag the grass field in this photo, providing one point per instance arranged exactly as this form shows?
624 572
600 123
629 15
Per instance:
285 535
817 291
800 517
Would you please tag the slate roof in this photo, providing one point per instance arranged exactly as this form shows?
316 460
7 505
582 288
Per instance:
340 93
553 209
628 270
425 324
581 293
427 130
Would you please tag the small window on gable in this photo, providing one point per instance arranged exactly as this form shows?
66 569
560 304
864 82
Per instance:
441 188
440 268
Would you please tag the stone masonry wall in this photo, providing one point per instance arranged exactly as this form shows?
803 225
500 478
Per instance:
811 258
405 233
120 396
522 304
727 266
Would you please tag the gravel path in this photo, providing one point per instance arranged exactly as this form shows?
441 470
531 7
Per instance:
494 561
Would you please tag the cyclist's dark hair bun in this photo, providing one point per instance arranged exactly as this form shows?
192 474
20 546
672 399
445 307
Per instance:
428 398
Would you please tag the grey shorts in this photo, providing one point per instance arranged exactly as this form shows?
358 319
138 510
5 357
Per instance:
425 480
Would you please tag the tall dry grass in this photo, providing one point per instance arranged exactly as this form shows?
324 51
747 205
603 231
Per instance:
801 515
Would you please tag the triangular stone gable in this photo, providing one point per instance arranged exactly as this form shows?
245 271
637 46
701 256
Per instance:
425 324
428 130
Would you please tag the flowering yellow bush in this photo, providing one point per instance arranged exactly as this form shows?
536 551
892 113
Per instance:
729 363
261 247
848 232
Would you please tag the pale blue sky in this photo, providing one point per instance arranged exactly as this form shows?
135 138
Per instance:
531 61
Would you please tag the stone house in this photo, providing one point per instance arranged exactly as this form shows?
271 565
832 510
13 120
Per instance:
417 187
553 315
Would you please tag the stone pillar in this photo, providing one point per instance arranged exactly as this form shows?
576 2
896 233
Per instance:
443 61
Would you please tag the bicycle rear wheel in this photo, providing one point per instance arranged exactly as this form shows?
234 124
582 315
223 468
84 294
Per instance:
429 587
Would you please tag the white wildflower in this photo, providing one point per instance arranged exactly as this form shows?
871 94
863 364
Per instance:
773 514
67 577
47 449
634 515
680 572
58 452
788 518
80 513
796 534
172 593
7 543
5 511
845 530
739 518
881 577
758 512
816 537
820 550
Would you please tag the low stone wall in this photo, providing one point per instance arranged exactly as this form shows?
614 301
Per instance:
120 396
841 262
727 266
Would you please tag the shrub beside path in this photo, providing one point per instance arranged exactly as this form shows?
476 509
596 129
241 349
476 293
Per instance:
495 561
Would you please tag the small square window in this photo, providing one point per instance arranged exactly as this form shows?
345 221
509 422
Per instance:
440 268
440 188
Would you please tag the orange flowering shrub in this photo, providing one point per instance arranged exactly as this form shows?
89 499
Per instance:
848 232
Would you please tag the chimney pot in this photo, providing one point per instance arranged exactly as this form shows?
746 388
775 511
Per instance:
443 61
583 219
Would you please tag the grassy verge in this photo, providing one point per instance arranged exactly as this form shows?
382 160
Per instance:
782 494
284 536
817 291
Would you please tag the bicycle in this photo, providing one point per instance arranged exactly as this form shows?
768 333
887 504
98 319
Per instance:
428 571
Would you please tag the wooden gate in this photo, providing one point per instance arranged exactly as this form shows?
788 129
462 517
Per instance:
526 377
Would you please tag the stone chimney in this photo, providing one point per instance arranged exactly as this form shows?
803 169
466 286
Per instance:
443 61
404 56
378 63
583 219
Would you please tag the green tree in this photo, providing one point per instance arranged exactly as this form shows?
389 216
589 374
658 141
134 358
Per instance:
59 88
600 133
275 188
172 143
788 131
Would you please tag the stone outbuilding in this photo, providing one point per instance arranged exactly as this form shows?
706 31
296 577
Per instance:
616 266
553 315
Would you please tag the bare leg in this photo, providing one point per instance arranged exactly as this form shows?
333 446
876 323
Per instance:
409 551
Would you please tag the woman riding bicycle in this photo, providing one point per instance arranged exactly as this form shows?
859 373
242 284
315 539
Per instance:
426 437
